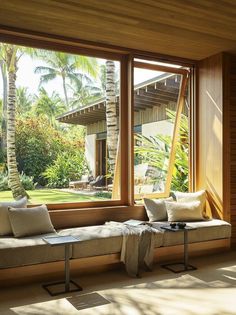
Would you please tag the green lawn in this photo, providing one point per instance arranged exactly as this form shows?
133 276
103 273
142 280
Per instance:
39 196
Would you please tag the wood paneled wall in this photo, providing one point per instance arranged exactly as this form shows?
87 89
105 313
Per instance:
230 131
216 135
209 133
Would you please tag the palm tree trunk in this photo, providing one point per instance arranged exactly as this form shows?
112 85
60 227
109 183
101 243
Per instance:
14 182
4 108
65 91
111 116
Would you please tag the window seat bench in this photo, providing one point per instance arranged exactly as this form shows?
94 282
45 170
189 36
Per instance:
100 240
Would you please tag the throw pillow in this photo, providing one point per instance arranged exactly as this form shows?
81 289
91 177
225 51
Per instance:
184 211
30 221
156 209
194 196
5 226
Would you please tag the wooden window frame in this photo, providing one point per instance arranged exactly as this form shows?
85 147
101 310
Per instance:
185 74
126 58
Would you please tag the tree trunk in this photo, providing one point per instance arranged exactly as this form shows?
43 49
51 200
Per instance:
4 108
65 91
14 182
111 116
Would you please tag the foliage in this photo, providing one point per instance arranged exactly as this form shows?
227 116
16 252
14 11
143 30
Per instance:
48 106
27 181
4 181
84 90
156 152
104 194
67 166
24 101
38 145
66 66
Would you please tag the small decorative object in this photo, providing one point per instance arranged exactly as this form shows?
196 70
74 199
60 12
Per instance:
181 225
173 225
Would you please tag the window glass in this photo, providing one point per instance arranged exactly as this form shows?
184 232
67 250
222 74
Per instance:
64 109
161 145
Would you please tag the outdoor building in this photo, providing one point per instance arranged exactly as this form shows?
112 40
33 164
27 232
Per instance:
152 99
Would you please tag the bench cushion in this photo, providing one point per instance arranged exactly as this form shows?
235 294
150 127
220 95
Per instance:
95 240
205 231
16 252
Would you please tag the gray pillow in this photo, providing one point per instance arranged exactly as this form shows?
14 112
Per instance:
5 226
156 209
30 221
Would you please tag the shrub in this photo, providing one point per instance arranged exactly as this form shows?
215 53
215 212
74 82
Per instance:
68 166
4 181
27 181
104 194
38 145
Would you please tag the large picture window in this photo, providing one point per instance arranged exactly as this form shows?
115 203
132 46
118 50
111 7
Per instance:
68 120
60 122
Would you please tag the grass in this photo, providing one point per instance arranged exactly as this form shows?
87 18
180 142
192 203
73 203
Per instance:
39 196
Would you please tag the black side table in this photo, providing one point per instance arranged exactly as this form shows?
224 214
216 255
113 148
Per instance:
66 241
184 266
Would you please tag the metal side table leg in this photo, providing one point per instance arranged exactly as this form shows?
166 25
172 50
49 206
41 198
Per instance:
67 267
67 280
184 265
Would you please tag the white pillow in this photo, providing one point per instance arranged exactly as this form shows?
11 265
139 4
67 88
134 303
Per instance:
30 221
184 211
5 226
194 196
156 209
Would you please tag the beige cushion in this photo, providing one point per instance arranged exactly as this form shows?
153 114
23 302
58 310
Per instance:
156 209
193 196
204 231
5 226
30 221
184 211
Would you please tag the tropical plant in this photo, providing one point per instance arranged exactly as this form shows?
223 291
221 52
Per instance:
10 55
84 90
68 166
155 151
4 101
27 181
38 144
48 106
65 66
4 181
24 101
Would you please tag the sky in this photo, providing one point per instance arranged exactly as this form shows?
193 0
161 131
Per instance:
27 78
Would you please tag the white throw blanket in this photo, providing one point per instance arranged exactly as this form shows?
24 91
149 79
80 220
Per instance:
137 246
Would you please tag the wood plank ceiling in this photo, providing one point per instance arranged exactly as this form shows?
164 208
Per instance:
192 29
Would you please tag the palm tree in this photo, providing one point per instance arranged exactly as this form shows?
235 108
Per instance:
48 106
65 66
111 116
11 54
23 101
84 90
4 105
